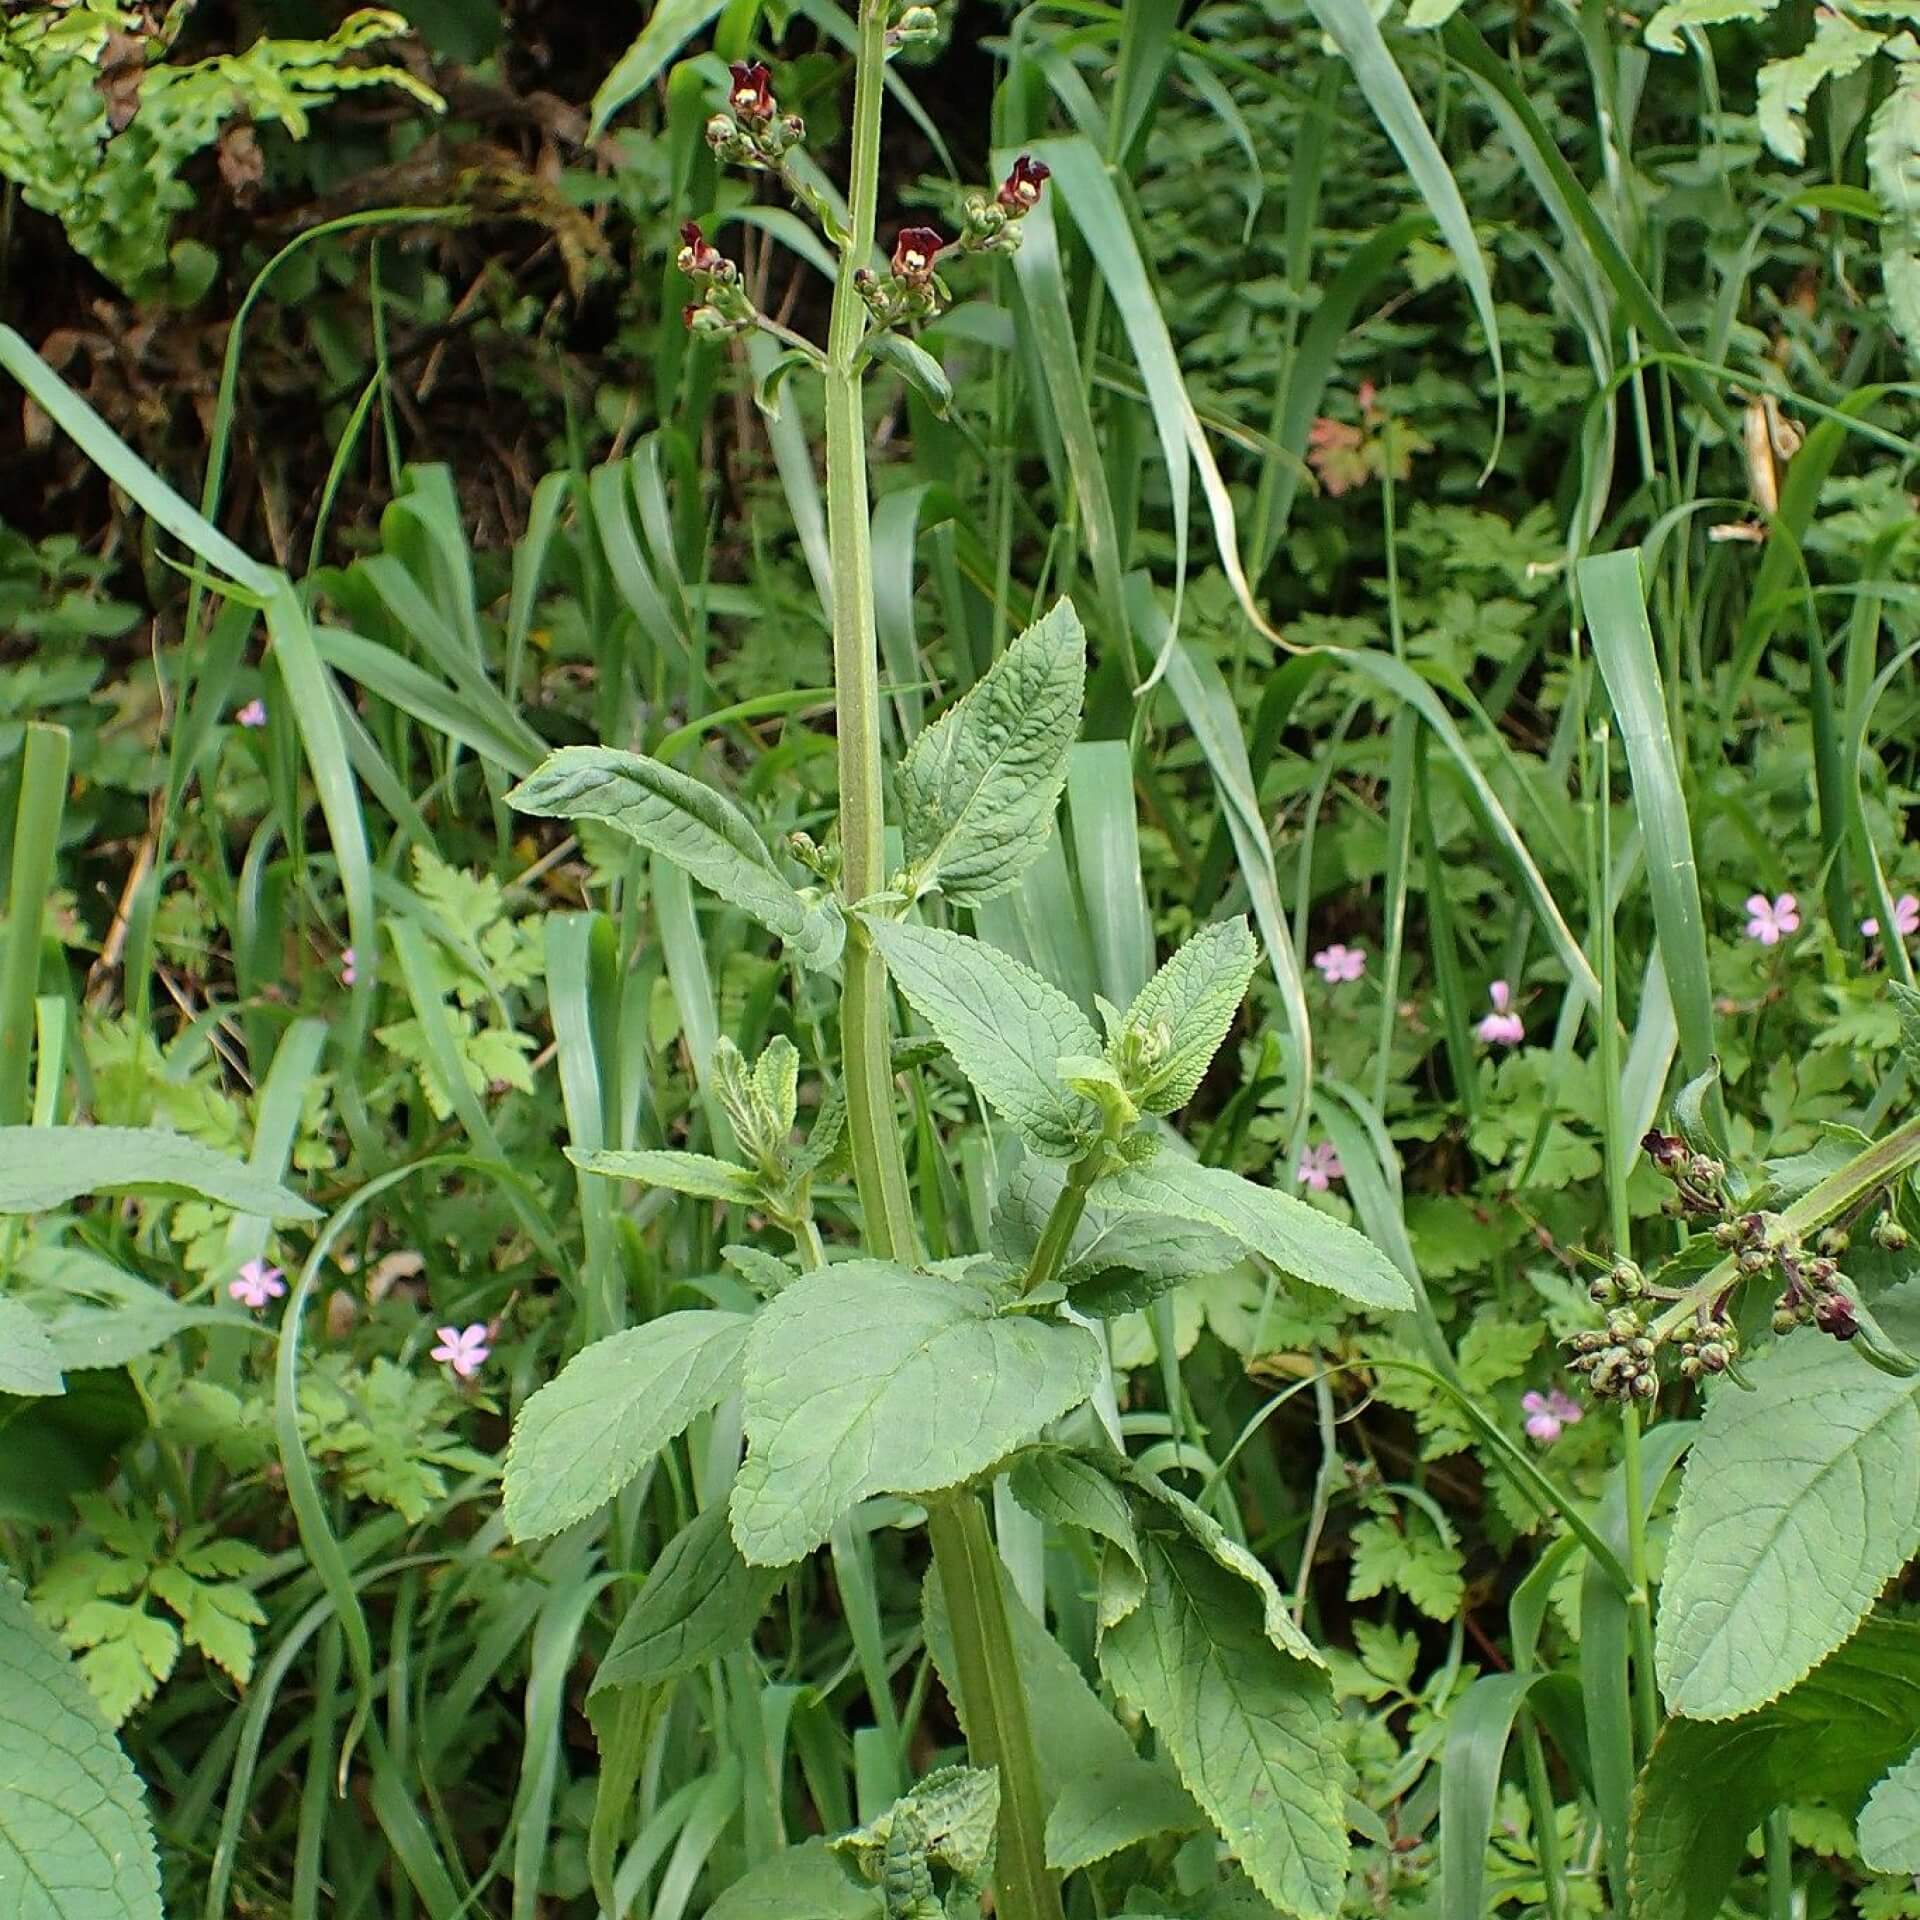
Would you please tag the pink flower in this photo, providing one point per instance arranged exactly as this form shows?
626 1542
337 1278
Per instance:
253 714
1338 963
1319 1166
1770 921
1502 1027
1906 919
464 1349
1547 1413
258 1283
349 970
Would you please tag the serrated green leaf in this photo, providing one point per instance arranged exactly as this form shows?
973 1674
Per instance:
1252 1730
798 1883
700 1600
1893 170
1801 1500
1190 1003
699 1174
75 1841
44 1167
1299 1239
687 822
1101 1810
979 787
28 1363
1413 1561
1004 1025
1665 28
866 1378
1890 1821
1836 49
585 1434
1708 1784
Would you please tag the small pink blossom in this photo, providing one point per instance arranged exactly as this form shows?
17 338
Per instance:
1338 963
1906 918
464 1349
1547 1413
349 968
1770 921
253 714
1319 1167
1502 1027
256 1285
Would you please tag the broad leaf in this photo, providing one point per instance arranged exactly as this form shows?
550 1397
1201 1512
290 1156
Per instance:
699 1174
1189 1005
1893 168
1252 1729
1004 1026
687 822
979 787
27 1360
1801 1501
866 1378
1890 1821
1836 49
1299 1239
700 1600
799 1883
585 1434
1102 1809
44 1167
1708 1784
75 1842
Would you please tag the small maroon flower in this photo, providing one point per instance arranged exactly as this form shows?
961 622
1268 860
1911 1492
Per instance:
1835 1315
1020 190
914 254
751 94
1667 1151
697 254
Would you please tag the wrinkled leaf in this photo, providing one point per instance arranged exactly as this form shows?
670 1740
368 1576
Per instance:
27 1360
698 1174
1188 1007
44 1167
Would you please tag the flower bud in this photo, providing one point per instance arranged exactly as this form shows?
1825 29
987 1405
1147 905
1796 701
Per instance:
1704 1171
1835 1315
1667 1151
1715 1357
1785 1319
914 23
698 257
1755 1260
1645 1386
1834 1241
1603 1292
1890 1236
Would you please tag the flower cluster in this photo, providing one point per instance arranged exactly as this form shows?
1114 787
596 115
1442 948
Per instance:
1699 1180
723 306
1771 921
753 132
913 291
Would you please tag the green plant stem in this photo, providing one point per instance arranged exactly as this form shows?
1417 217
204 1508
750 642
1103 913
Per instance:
36 833
994 1704
1779 1842
991 1699
879 1167
1051 1254
1646 1698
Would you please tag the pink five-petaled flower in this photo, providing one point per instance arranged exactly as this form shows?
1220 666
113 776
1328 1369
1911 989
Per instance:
751 93
914 254
1547 1413
1020 190
1319 1166
1502 1027
464 1349
1770 921
253 714
257 1284
1338 963
349 968
1906 919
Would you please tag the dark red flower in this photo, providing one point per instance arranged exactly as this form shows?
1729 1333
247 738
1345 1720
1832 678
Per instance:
697 254
914 254
751 94
1835 1315
1020 190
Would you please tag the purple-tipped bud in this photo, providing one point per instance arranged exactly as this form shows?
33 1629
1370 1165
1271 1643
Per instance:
1835 1315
